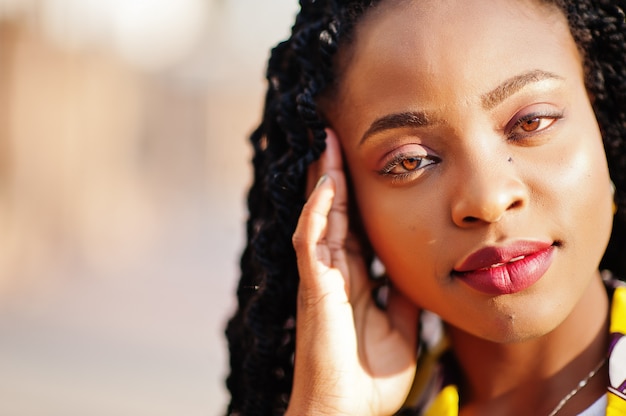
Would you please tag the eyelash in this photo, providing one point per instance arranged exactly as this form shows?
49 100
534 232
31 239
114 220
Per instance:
554 117
398 159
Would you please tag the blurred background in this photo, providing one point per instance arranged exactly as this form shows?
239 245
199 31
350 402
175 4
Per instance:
123 169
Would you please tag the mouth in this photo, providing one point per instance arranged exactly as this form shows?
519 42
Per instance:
506 270
513 260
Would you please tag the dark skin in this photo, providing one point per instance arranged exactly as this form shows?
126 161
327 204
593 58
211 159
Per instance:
491 156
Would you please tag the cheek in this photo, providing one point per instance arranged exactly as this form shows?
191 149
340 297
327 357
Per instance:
590 198
575 196
404 228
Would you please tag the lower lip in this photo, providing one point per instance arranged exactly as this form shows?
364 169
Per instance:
510 277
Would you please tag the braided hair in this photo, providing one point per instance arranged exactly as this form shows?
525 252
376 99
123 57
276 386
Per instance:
261 333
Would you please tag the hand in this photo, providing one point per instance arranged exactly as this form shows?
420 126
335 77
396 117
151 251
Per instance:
351 357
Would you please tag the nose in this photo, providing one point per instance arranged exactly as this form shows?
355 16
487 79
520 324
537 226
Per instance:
486 192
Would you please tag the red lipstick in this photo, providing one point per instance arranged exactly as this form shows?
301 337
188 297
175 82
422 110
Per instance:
506 269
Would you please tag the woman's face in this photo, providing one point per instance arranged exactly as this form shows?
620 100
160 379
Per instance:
476 161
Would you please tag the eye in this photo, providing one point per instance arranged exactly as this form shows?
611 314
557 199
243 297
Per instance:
402 165
410 164
533 124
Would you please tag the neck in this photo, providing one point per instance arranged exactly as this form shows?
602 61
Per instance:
532 376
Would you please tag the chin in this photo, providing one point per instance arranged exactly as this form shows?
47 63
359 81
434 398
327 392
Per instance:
514 333
516 322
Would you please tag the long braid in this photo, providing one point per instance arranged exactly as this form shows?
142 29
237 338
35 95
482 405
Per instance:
291 136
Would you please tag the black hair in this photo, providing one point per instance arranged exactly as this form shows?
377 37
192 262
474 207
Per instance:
261 333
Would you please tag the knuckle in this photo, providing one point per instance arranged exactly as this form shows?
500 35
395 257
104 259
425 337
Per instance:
340 206
298 240
335 246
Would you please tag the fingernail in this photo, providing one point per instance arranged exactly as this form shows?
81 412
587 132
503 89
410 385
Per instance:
321 180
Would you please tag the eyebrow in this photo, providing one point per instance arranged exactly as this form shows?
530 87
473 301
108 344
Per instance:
512 85
397 121
488 100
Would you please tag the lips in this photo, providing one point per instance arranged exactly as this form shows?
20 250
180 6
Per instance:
506 269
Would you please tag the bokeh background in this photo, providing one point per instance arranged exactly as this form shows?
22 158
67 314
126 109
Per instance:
123 170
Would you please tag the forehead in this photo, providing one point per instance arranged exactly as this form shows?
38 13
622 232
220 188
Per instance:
437 20
453 39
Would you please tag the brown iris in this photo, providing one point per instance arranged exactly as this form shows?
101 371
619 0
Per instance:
531 125
410 163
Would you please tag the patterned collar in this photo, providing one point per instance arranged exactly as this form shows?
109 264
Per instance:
617 353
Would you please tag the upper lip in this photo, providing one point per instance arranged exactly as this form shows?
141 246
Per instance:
493 256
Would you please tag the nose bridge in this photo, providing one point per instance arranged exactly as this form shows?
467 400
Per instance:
488 185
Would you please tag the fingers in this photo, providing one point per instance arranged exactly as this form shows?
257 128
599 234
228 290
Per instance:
334 245
331 165
312 228
331 231
330 161
332 155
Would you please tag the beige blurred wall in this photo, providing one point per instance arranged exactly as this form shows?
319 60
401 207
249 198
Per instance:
121 213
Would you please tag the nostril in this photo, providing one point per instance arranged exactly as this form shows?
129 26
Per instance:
470 220
515 204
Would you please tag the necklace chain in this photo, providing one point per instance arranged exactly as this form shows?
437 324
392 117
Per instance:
582 383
